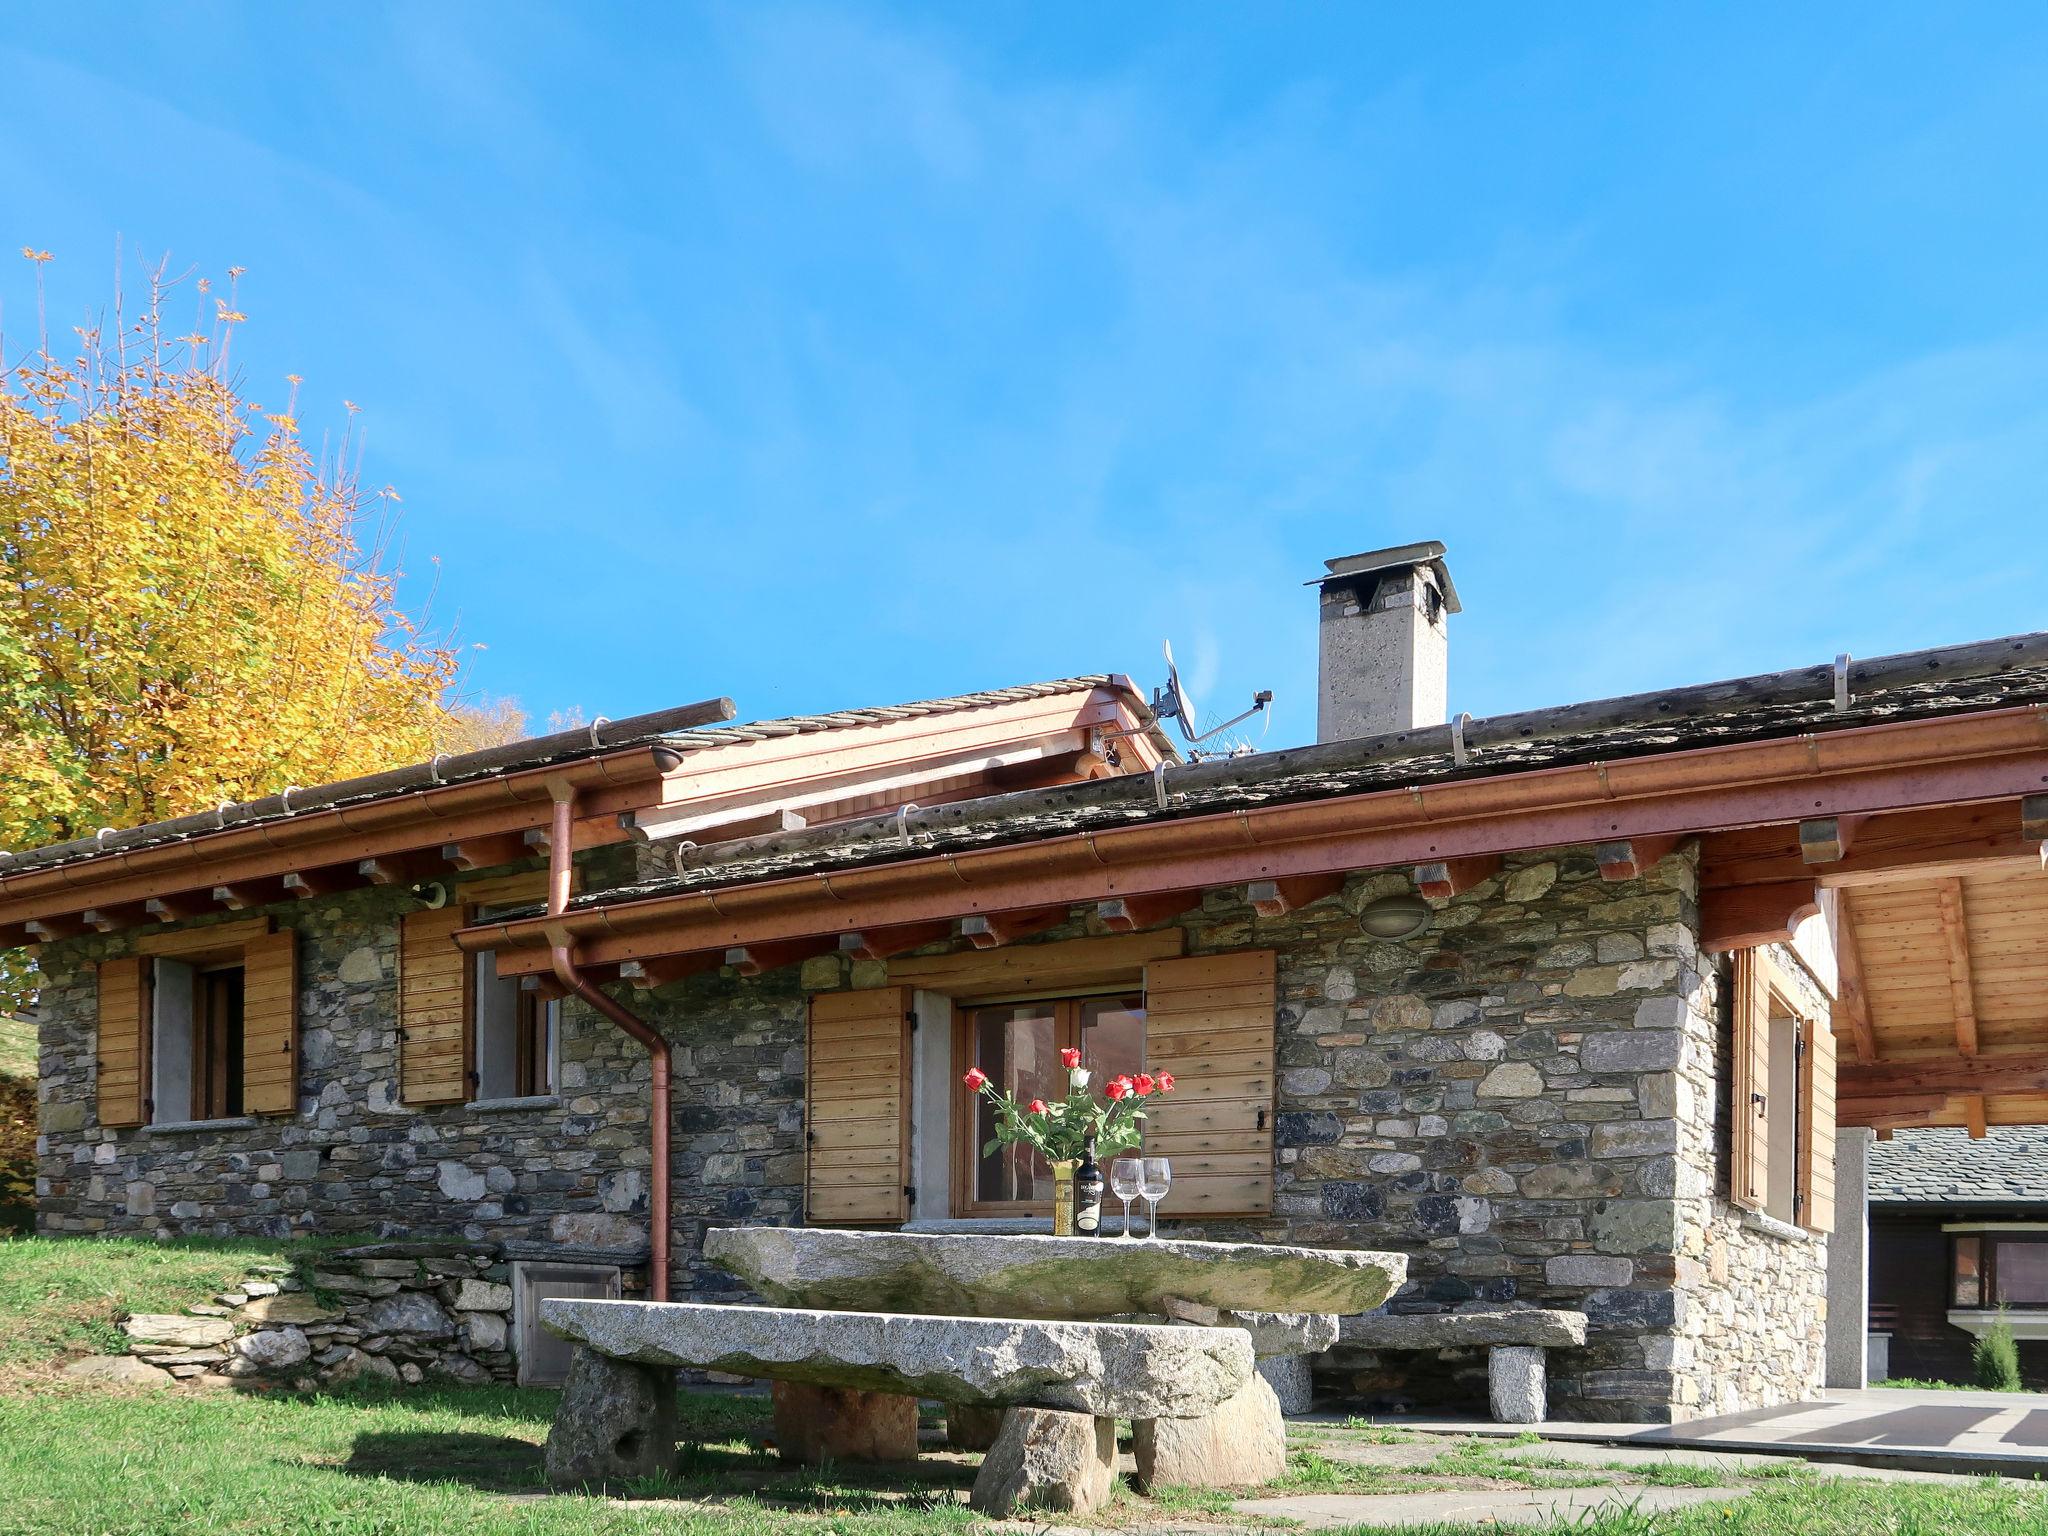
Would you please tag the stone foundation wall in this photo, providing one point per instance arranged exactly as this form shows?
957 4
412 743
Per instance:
402 1313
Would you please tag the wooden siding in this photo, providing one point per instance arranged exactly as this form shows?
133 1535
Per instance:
1210 1022
122 1051
857 1108
433 1008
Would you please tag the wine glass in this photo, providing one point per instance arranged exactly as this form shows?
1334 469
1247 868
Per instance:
1155 1177
1123 1183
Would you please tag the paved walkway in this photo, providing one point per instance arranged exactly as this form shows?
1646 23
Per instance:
1968 1432
1504 1506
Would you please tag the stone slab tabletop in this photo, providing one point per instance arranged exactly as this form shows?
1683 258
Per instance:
972 1275
1119 1369
1543 1327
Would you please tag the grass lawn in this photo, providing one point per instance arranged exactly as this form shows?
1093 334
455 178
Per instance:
17 1048
377 1461
17 1125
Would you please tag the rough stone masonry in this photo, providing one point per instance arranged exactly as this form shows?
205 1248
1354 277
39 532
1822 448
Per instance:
1526 1098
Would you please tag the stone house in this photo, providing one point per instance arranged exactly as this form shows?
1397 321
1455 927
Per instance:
1549 1002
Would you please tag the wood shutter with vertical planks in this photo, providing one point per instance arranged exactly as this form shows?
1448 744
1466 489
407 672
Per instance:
1209 1021
121 1054
1817 1144
433 1008
857 1107
1749 1181
270 1024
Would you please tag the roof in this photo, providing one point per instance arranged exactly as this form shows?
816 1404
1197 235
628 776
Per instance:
1987 675
688 729
2008 1165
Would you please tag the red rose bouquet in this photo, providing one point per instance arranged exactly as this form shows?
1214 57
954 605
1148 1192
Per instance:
1057 1132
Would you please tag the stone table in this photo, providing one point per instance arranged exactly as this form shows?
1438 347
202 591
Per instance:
1286 1297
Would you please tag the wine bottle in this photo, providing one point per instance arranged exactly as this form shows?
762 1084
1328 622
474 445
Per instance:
1088 1193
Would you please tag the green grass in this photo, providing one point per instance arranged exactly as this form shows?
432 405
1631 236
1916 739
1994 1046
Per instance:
63 1296
17 1047
1915 1384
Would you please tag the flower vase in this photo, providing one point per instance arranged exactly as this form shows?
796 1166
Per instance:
1063 1197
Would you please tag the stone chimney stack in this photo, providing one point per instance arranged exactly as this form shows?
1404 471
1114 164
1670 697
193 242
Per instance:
1383 652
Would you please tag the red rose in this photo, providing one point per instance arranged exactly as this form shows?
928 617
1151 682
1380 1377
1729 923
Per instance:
1037 1107
1166 1082
1070 1058
1119 1088
976 1079
1143 1084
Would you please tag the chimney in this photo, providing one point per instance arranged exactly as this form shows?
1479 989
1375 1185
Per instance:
1381 638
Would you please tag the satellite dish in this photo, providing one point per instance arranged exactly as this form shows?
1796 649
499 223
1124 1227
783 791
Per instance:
1172 703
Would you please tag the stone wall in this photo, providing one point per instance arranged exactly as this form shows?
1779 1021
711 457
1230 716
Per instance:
402 1313
1522 1098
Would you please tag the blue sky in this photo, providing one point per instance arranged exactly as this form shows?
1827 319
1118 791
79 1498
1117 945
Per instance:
833 355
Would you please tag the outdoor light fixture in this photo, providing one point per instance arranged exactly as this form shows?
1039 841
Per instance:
1395 917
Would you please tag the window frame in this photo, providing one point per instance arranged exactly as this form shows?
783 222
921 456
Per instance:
965 1153
200 962
1989 1241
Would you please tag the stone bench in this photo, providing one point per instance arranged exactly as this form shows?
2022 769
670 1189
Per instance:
846 1386
1515 1338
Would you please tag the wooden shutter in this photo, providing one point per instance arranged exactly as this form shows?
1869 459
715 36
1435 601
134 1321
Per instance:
1749 1181
270 1024
122 1051
1209 1021
1817 1121
857 1107
433 1008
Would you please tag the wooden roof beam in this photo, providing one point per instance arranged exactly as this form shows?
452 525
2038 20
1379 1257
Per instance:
1955 935
486 852
387 871
753 959
1129 914
660 971
1973 1116
1445 878
178 908
1826 839
247 895
1630 858
1744 916
547 986
1852 995
987 930
305 884
2014 1072
132 914
1277 898
48 930
887 943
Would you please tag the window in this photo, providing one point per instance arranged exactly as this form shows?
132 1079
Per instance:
1999 1269
1782 1131
198 1044
1018 1044
514 1036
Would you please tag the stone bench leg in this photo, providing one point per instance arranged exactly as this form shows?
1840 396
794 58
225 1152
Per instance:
1044 1459
616 1422
815 1424
1516 1384
1238 1444
1291 1380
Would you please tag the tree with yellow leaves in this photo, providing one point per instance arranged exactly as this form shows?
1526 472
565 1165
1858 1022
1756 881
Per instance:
186 614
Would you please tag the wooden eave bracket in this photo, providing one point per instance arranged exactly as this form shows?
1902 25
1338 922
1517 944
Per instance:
1446 878
753 959
1277 898
1630 858
178 908
1129 914
887 943
1827 839
48 930
987 930
1746 916
661 970
306 884
486 852
384 871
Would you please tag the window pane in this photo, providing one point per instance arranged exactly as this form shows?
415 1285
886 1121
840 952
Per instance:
2022 1272
1112 1037
1968 1290
1017 1045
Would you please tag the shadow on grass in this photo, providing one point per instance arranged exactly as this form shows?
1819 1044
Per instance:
488 1463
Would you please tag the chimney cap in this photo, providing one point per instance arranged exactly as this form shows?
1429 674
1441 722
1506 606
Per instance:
1397 558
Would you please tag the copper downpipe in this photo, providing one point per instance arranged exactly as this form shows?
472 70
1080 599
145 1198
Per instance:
560 836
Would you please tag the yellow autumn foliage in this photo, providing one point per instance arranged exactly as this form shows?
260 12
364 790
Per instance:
186 615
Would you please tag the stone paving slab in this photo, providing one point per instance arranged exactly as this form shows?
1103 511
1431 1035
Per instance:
1502 1506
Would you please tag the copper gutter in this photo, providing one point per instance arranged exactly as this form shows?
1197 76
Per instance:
1897 765
563 958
